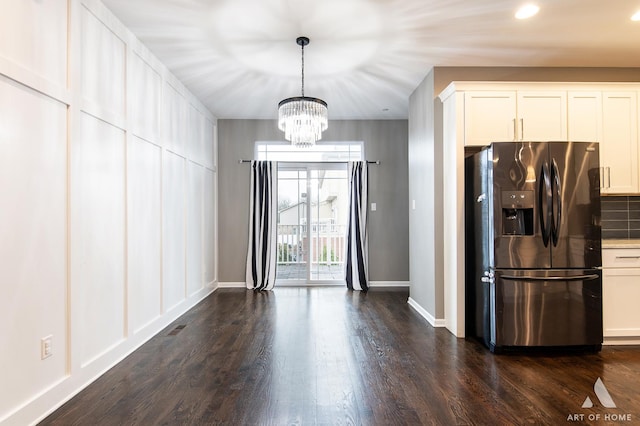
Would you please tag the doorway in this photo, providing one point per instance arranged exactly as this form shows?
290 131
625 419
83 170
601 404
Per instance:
312 222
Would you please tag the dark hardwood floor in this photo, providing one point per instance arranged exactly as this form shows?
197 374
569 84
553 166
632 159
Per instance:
329 356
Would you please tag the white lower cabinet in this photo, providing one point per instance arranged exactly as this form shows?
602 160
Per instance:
621 295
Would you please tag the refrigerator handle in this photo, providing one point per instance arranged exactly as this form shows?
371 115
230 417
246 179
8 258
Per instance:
545 200
557 203
601 176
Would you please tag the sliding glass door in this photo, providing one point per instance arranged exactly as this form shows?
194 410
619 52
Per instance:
312 215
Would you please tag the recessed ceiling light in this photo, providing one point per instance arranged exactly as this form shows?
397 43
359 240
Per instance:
636 16
527 11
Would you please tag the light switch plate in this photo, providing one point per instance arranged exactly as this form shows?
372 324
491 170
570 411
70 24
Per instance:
374 206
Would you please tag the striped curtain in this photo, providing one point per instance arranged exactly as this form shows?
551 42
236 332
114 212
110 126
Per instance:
261 253
357 252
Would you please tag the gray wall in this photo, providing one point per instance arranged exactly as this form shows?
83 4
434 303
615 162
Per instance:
384 140
425 221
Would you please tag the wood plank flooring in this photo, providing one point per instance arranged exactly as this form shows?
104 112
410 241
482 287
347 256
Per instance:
330 356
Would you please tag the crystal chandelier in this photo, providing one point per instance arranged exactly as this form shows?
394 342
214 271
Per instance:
302 118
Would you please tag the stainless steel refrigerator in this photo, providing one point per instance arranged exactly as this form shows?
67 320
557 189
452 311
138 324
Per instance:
533 252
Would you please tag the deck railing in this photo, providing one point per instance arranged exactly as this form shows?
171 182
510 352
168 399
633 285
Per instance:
326 246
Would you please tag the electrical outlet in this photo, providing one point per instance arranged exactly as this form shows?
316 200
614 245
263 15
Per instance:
46 349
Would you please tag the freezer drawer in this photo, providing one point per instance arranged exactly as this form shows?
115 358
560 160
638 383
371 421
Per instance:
546 308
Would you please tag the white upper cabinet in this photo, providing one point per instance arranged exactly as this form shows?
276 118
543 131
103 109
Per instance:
607 113
490 116
585 116
510 115
619 146
542 116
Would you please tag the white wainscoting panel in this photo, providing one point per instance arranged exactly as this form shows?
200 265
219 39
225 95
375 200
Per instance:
173 230
144 225
33 245
209 224
195 207
195 136
103 70
209 143
146 91
175 120
98 235
33 35
93 220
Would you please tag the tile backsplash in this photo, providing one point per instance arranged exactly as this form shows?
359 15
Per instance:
620 217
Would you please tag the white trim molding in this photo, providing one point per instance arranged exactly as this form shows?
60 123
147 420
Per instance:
426 315
399 284
239 284
372 284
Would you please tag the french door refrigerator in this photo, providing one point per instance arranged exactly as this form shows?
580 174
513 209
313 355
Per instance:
533 245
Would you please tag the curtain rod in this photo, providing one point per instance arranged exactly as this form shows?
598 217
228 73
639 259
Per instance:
324 162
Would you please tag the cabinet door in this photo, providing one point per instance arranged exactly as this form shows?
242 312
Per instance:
584 116
489 117
619 147
620 295
542 116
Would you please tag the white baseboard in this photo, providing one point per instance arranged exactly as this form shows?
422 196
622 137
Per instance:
426 315
389 284
614 341
232 285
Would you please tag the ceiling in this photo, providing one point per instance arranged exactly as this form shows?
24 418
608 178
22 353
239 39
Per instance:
240 58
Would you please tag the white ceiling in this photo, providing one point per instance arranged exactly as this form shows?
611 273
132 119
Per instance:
366 57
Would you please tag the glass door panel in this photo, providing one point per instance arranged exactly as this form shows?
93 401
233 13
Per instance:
292 220
312 214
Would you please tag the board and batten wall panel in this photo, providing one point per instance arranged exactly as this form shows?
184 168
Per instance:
33 40
94 239
33 241
98 235
173 233
144 225
195 188
208 134
144 91
195 136
175 117
103 70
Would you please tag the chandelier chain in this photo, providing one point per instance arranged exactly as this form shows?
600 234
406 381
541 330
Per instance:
302 70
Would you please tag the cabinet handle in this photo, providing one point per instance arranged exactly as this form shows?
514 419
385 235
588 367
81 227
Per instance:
515 130
608 177
627 257
522 129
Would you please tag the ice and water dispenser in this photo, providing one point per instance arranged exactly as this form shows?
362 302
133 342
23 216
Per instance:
517 212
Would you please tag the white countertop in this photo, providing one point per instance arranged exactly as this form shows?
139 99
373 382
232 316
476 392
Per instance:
617 244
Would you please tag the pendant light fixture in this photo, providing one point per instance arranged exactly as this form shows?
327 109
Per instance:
302 119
